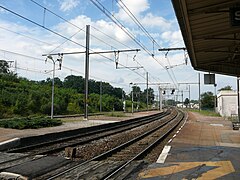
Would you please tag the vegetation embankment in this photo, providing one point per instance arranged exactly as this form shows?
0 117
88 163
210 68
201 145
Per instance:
20 97
206 112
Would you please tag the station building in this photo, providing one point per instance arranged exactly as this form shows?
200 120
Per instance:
227 103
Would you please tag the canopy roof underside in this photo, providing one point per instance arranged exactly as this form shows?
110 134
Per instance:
213 43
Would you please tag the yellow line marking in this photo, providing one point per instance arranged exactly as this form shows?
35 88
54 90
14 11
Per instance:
222 168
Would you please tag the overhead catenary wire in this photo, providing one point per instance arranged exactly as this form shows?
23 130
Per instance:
133 17
6 29
67 39
101 7
46 9
137 22
63 67
27 19
37 24
81 29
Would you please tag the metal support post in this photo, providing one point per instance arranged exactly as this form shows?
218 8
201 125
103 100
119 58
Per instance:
238 99
189 92
199 92
100 96
189 96
86 72
160 99
182 99
53 76
132 99
53 90
215 97
147 90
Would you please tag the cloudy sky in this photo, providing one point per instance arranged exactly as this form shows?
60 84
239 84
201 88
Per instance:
31 28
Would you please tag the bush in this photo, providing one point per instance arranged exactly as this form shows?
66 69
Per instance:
29 123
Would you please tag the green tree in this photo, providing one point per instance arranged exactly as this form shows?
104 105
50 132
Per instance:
4 67
186 102
207 101
74 82
21 105
136 91
150 96
58 82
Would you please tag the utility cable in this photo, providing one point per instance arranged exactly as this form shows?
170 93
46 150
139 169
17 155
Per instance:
45 9
29 20
133 17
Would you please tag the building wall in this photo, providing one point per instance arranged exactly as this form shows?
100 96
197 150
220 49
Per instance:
227 103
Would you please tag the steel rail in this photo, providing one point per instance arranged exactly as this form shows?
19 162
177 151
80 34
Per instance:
151 117
117 149
121 167
140 121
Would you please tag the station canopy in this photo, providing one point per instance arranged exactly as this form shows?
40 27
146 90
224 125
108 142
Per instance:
211 32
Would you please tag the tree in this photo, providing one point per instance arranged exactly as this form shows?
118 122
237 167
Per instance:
136 91
21 105
74 82
4 67
58 82
226 88
186 102
150 95
207 100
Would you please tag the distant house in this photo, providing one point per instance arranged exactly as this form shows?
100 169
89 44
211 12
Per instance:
227 103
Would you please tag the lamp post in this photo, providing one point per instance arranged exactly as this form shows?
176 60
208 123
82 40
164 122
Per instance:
54 63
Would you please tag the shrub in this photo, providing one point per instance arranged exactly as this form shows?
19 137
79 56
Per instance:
29 123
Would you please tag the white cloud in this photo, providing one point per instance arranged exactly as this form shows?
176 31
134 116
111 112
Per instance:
136 8
151 21
162 30
67 5
173 38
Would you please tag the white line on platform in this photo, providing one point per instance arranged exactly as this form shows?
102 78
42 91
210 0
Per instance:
9 141
163 155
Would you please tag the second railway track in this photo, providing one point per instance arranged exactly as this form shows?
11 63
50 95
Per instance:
121 161
124 150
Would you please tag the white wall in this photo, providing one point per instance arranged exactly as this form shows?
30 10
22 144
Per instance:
227 103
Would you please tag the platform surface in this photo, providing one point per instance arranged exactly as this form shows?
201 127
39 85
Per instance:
205 148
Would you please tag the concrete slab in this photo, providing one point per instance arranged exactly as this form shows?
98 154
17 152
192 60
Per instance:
36 167
197 163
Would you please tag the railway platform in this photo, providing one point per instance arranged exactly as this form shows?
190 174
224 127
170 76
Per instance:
204 148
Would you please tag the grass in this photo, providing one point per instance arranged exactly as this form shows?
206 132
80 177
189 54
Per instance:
29 123
205 112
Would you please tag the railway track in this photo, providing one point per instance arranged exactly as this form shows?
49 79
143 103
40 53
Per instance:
85 137
122 160
34 150
128 154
